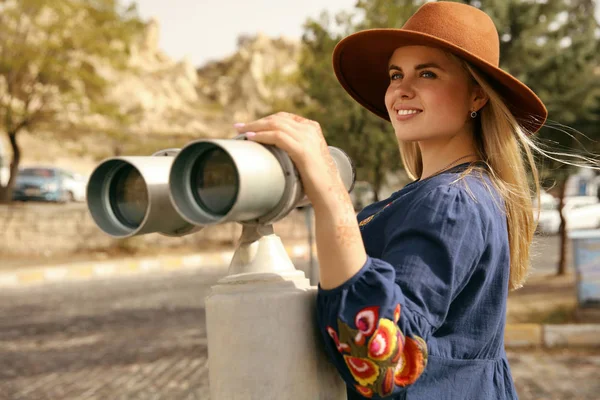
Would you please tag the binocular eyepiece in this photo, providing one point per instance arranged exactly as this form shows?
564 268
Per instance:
177 192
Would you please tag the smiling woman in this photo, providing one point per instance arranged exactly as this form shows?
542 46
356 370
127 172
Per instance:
412 294
435 97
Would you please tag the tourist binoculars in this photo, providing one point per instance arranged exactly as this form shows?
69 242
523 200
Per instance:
210 181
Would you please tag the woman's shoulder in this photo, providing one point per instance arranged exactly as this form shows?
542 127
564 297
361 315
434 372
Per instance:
456 195
464 191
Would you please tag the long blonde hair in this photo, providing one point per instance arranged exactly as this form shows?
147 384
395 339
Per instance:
504 146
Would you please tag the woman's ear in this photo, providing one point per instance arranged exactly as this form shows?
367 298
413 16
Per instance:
479 98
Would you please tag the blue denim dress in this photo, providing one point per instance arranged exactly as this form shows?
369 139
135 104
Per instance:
424 318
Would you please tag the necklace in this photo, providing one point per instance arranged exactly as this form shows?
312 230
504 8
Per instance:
451 164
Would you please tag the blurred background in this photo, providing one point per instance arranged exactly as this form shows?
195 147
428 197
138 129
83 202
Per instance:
83 80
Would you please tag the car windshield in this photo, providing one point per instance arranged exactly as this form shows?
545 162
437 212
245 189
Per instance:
38 172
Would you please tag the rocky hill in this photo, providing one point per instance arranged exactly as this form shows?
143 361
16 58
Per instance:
170 102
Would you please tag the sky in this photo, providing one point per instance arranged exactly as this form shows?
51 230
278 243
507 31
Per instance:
204 30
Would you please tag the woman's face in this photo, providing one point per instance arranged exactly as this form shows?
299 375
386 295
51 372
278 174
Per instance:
429 96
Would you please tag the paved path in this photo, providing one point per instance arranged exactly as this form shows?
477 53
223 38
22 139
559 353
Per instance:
145 338
130 339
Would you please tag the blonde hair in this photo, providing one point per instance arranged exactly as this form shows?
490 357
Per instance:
503 145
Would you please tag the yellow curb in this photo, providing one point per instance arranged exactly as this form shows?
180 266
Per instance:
170 264
523 335
81 272
192 261
214 258
30 277
130 267
9 280
91 270
577 335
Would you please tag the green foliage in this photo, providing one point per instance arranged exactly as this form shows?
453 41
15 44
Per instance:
49 51
554 47
50 54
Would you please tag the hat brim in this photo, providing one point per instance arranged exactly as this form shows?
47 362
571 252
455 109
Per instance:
360 62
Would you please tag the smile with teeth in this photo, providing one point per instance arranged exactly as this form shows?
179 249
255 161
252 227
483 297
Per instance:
408 112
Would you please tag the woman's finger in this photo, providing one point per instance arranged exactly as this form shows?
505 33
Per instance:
293 117
279 139
270 123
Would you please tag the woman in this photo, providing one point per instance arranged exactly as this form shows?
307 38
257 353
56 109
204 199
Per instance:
412 296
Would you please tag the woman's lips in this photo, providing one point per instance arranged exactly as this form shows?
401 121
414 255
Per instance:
405 115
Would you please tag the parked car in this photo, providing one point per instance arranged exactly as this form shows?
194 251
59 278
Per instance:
581 212
75 184
49 184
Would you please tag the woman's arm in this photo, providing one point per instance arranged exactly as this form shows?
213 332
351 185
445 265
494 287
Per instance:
339 244
340 247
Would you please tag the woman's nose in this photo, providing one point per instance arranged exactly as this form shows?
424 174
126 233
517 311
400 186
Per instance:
405 89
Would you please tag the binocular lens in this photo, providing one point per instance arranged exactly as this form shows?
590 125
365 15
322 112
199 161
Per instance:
215 181
128 196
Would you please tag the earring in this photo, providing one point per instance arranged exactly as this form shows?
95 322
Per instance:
473 114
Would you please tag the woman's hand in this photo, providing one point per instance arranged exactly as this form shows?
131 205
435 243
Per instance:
302 139
339 243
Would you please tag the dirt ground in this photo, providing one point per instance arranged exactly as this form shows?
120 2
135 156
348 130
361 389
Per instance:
549 299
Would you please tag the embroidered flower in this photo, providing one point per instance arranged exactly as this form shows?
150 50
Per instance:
387 384
366 221
399 348
364 371
412 363
366 322
379 355
364 391
342 347
383 342
369 218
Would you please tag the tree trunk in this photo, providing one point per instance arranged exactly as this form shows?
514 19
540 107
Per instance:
562 230
6 191
377 182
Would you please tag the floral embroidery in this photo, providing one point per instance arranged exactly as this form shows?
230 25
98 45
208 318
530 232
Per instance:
378 355
387 383
384 341
366 322
412 363
364 392
369 218
363 370
366 220
342 347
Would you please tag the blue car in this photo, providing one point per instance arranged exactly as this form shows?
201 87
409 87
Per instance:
42 184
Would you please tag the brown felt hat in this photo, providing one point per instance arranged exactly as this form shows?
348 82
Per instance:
360 61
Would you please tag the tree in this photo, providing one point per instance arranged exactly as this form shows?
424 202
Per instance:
554 47
49 56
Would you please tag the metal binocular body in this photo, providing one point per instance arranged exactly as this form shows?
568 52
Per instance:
211 181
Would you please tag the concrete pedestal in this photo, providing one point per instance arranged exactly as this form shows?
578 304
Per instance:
263 342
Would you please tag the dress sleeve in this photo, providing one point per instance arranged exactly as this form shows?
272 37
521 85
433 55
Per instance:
376 325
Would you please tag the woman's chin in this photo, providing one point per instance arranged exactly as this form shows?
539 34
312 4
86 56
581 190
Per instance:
408 137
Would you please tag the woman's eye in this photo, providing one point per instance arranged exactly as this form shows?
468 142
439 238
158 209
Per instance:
428 74
395 76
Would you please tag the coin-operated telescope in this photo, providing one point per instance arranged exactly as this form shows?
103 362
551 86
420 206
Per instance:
177 192
211 181
263 304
